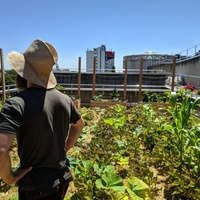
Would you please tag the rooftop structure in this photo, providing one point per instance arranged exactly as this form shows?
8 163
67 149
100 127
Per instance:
149 58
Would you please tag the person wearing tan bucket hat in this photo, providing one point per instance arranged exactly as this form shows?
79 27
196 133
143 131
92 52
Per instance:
35 64
45 123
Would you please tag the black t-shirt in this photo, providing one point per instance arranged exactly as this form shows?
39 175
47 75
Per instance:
40 118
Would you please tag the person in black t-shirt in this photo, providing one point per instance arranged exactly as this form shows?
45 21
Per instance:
45 123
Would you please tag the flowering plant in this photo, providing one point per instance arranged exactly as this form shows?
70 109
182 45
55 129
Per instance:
189 87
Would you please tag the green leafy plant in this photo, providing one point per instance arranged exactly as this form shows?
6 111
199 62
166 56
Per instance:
131 153
110 181
181 114
10 77
98 97
150 96
94 180
115 95
137 189
185 145
61 88
113 68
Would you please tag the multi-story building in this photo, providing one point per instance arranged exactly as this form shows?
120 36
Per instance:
104 59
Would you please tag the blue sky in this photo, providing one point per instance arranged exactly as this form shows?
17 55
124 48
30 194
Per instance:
126 27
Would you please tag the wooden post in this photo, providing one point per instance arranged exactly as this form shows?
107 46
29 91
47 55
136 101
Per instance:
79 77
140 81
125 78
94 77
173 73
2 76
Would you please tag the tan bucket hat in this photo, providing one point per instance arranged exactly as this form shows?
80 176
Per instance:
36 63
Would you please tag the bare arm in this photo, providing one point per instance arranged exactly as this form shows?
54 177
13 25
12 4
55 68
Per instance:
74 133
6 173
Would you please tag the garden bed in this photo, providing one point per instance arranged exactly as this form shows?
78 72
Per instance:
133 153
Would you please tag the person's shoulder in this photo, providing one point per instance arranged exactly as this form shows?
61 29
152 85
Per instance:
59 94
54 90
15 102
16 96
20 96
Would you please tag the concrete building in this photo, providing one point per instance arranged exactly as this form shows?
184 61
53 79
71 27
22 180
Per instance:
104 59
187 69
149 59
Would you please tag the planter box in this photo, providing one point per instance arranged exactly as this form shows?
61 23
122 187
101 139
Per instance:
77 103
104 104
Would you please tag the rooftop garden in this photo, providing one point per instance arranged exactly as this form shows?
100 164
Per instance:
142 152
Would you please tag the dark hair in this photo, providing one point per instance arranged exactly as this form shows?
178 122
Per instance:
21 83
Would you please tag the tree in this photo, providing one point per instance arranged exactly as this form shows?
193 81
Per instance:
113 68
10 76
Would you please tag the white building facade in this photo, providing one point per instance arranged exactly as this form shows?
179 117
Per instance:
104 59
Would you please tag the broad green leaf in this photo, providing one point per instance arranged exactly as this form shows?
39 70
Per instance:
87 164
133 195
110 121
137 187
109 169
97 168
110 181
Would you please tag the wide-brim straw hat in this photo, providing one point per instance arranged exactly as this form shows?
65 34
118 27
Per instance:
36 63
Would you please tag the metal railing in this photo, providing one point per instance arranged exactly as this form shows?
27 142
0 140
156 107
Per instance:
185 54
9 89
190 52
